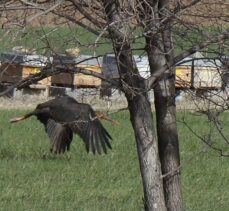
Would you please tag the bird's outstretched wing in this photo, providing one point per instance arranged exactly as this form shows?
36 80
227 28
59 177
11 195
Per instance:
64 115
91 130
60 135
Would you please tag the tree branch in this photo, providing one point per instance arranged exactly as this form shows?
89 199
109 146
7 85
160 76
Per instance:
87 15
45 11
219 150
155 76
50 71
200 46
80 23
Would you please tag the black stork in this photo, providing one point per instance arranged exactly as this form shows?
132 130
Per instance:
64 116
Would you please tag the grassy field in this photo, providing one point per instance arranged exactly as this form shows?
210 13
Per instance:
49 40
32 179
53 40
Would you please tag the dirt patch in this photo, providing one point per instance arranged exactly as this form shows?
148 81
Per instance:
25 102
184 102
31 101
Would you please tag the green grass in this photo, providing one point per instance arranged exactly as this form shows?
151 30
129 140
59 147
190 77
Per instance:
51 40
33 179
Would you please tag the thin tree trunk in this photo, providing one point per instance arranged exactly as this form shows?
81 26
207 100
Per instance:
166 121
164 93
141 118
140 111
168 143
160 51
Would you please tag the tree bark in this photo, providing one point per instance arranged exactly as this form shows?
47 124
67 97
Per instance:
141 118
166 121
164 93
160 52
140 110
168 143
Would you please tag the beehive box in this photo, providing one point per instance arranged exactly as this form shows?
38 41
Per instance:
63 79
82 80
28 71
183 76
207 77
16 66
10 73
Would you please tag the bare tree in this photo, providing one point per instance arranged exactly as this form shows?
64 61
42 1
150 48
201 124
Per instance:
167 32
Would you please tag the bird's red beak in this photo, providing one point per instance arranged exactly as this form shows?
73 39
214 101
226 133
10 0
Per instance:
17 119
101 115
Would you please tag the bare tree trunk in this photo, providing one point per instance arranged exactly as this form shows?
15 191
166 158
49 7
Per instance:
166 121
168 143
140 110
164 93
160 52
141 118
166 126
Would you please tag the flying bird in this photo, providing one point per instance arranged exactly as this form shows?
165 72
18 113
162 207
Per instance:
64 116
